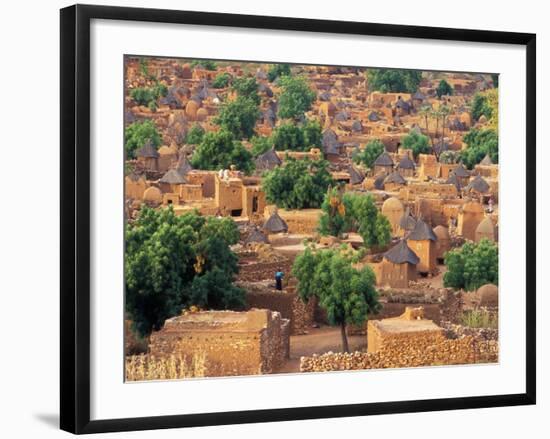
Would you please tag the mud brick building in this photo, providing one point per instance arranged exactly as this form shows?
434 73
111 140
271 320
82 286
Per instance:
234 343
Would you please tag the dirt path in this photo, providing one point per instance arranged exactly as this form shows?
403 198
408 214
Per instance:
318 341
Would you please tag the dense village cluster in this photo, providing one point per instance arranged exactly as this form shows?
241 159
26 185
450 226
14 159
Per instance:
308 218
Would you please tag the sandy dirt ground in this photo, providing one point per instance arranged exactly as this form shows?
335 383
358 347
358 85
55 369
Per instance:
319 341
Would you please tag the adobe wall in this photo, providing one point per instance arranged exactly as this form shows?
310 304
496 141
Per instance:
234 343
303 221
190 192
257 271
288 304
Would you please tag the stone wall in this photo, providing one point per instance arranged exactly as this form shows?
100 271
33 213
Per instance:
425 352
234 343
412 341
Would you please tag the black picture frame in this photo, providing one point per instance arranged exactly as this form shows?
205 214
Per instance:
75 217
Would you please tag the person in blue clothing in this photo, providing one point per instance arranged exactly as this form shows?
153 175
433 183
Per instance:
279 279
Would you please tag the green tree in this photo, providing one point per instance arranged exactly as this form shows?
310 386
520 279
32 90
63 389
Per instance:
335 219
277 70
261 144
206 63
288 136
147 95
481 107
297 137
221 80
312 133
296 97
298 184
418 143
220 150
239 117
137 133
346 294
371 152
346 212
370 223
480 142
449 157
472 265
173 262
393 80
444 89
494 77
246 88
195 134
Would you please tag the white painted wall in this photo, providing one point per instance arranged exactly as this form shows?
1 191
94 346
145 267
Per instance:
29 247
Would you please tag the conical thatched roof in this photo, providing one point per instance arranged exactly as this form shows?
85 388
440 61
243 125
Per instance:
355 175
383 159
373 117
357 126
478 184
422 232
395 177
454 180
379 182
268 160
147 150
401 253
172 177
330 142
183 166
461 171
407 221
256 236
486 161
406 163
275 224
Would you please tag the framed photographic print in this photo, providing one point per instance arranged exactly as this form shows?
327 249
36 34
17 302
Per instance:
284 219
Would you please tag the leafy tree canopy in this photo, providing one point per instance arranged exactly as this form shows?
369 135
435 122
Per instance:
221 80
173 262
206 63
220 150
137 133
149 95
472 265
239 117
195 134
444 89
480 142
346 294
347 212
261 144
246 88
449 157
298 184
296 97
297 137
482 106
369 155
393 80
277 70
418 143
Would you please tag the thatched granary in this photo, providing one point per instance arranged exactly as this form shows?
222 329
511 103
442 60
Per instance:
398 266
383 163
256 236
170 181
355 175
406 166
422 240
406 223
394 181
268 160
275 224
